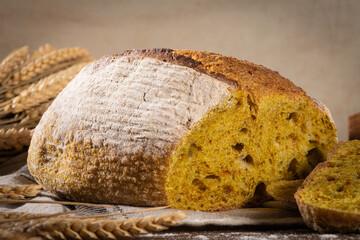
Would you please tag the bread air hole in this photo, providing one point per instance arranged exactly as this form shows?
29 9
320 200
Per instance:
293 168
248 159
293 137
294 116
244 131
199 184
314 142
238 147
260 193
213 177
252 107
314 157
193 149
228 189
330 178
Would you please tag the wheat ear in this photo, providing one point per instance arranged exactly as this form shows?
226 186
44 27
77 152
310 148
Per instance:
50 62
91 228
46 89
14 91
14 138
13 215
26 119
33 116
41 51
13 62
20 191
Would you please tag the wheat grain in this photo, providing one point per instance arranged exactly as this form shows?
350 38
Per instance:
41 51
13 215
42 67
14 91
13 62
50 62
91 228
14 138
46 89
19 191
32 116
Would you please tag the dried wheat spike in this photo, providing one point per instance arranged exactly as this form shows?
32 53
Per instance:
14 138
19 191
13 215
41 51
32 116
46 89
50 63
13 92
12 62
91 228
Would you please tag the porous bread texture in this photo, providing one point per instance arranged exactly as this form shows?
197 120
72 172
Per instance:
284 190
189 129
329 199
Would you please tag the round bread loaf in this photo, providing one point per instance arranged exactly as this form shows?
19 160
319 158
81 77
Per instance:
329 198
190 129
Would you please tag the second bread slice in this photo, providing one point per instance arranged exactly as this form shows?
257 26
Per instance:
329 199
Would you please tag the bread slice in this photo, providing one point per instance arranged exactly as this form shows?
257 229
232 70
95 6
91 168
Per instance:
190 129
329 199
284 191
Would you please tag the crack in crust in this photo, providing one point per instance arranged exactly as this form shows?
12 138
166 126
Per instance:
169 55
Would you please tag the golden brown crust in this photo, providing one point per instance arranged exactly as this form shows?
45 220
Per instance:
328 220
169 55
237 73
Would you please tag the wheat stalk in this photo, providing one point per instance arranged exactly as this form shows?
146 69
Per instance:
14 138
46 89
16 201
15 118
90 228
13 62
19 191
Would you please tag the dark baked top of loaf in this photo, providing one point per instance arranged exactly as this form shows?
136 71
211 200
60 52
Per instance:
237 73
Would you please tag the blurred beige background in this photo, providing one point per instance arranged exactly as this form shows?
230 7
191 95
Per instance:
314 43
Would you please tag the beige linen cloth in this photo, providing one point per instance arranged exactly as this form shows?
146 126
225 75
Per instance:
237 217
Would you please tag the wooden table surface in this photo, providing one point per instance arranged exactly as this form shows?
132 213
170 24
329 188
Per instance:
245 233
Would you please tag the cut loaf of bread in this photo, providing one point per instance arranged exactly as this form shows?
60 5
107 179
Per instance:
329 199
190 129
